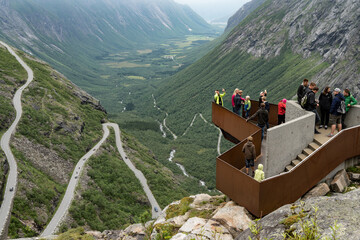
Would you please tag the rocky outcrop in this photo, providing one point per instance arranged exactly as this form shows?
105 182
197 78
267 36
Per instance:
87 99
242 13
45 159
207 217
325 28
343 208
211 217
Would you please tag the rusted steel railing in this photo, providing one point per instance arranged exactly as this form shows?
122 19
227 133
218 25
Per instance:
264 197
273 112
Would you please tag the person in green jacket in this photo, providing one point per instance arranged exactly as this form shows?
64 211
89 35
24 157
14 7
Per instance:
218 98
349 101
259 173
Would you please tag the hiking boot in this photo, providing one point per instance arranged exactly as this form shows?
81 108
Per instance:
317 132
326 127
321 126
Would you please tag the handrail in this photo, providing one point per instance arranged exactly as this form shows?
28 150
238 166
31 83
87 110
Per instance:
261 198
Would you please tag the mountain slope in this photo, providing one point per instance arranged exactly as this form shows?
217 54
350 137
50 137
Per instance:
274 48
70 35
242 13
60 124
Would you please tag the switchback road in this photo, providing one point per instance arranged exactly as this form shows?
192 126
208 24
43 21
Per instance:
5 209
63 209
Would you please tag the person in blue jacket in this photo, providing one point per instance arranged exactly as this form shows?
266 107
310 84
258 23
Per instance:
335 116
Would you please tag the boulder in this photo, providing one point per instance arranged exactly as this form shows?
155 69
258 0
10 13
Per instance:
354 176
136 229
199 199
179 220
182 236
213 230
179 236
192 224
233 216
320 190
340 181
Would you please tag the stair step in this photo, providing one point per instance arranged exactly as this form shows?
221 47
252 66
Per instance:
288 168
314 146
307 151
301 157
317 141
295 162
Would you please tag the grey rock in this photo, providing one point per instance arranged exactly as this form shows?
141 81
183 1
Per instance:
354 176
320 190
192 224
343 208
325 28
340 181
234 217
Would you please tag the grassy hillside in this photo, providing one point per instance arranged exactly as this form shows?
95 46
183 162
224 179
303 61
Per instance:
109 195
60 123
194 87
56 129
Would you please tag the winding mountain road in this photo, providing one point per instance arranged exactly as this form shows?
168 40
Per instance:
65 204
11 183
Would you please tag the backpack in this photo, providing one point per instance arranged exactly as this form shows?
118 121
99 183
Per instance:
342 107
215 98
304 100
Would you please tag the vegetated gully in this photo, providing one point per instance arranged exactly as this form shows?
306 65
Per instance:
173 151
11 184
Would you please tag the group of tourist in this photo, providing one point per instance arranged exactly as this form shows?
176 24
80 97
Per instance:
333 107
242 106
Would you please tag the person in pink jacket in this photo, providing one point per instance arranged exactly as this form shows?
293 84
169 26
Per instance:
233 99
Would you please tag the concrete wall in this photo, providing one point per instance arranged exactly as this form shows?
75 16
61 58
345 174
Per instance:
294 111
353 116
286 141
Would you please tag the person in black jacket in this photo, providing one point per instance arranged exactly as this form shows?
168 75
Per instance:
262 118
325 100
301 90
262 94
311 105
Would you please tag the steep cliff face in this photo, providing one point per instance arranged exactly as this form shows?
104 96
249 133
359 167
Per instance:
242 13
274 48
326 28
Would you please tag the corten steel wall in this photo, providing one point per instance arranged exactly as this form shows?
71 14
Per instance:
273 113
266 196
232 123
284 142
287 188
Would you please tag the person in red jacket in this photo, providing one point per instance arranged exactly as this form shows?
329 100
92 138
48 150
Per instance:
281 111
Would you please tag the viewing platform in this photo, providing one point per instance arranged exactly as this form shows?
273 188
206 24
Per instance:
312 158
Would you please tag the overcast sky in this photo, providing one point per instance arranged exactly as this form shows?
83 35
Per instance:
214 9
